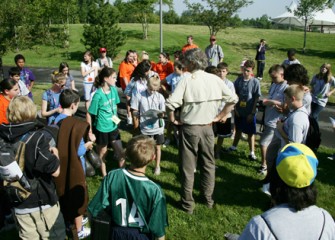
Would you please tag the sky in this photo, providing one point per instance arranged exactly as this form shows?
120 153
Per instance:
272 8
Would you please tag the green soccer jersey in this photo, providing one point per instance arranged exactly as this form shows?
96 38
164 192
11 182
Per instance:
103 106
133 201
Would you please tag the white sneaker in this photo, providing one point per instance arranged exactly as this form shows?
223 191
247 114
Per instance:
157 171
129 121
84 233
266 189
166 143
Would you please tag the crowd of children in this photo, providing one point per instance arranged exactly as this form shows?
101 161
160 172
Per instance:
146 86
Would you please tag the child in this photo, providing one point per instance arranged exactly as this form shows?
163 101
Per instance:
50 98
14 73
70 102
26 75
9 88
149 107
223 130
64 68
103 112
39 216
291 59
248 90
126 193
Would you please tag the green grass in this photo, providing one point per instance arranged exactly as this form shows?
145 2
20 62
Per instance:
237 193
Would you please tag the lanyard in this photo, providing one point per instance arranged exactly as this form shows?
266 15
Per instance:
109 100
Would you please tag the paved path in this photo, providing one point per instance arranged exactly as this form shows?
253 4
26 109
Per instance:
328 136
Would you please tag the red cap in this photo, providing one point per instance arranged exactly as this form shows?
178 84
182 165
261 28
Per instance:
103 50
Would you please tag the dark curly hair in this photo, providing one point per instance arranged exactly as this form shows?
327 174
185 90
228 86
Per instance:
296 74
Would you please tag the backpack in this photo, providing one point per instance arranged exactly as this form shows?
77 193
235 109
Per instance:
313 139
12 161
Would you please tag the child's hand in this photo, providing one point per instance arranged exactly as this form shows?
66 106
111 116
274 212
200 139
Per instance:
89 145
91 137
54 151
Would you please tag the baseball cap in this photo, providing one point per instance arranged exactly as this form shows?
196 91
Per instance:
297 165
242 63
103 50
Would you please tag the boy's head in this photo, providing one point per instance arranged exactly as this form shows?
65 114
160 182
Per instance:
222 70
294 95
276 73
21 109
19 60
14 73
154 83
248 68
69 98
141 150
212 70
178 67
291 54
296 74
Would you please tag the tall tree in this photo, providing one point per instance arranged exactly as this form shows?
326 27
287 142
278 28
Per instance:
306 10
102 29
215 14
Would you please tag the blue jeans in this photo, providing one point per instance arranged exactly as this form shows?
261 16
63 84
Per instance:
315 110
260 68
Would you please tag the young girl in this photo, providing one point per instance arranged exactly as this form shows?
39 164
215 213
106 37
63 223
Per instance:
9 88
149 107
321 84
104 120
64 68
89 70
50 98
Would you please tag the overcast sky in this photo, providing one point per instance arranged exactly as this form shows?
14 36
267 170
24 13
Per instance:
272 8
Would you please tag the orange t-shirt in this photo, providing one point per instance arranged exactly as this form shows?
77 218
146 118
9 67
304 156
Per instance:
125 71
164 70
188 47
4 102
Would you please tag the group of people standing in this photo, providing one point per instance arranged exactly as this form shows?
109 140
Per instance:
196 97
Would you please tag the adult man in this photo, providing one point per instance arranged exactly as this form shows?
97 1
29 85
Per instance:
260 58
199 95
104 60
214 52
189 45
295 214
273 110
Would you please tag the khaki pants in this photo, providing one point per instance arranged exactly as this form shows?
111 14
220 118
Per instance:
45 224
197 143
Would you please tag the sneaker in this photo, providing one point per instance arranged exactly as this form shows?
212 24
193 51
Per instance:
166 143
263 170
157 171
84 221
244 136
260 79
266 189
331 158
84 232
129 121
252 157
231 149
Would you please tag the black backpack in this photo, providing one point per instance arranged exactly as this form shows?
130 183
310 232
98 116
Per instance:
313 139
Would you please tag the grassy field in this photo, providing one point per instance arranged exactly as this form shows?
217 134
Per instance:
237 193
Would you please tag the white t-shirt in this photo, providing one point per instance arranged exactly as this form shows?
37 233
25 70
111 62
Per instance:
89 78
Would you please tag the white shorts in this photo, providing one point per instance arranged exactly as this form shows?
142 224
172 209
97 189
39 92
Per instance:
88 89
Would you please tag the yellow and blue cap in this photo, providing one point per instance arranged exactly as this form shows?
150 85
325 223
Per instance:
297 165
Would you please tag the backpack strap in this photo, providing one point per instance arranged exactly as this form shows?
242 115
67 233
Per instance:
323 226
267 224
20 158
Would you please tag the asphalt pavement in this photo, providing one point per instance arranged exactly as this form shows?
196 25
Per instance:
43 76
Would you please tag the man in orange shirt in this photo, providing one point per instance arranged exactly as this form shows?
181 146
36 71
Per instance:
189 44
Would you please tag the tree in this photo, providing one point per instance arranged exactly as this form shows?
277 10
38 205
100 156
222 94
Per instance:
102 29
142 9
216 14
170 17
306 10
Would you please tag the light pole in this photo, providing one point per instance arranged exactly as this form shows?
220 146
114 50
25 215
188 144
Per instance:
161 24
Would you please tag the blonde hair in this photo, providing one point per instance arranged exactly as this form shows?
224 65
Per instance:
296 91
140 150
154 83
21 109
56 77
